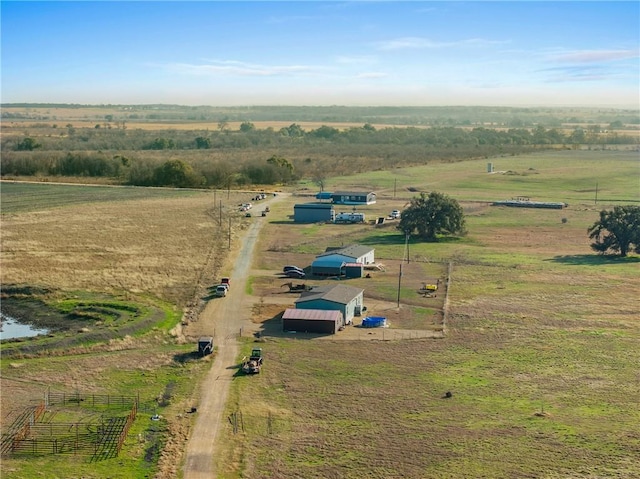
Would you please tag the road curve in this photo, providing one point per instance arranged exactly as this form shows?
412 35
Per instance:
226 316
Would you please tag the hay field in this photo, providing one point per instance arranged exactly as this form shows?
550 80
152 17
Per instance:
157 242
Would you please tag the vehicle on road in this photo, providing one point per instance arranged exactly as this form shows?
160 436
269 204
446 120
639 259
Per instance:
205 345
221 290
226 281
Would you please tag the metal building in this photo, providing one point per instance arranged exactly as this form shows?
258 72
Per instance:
351 254
313 213
312 321
338 297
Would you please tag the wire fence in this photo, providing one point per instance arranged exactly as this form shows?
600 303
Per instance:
37 432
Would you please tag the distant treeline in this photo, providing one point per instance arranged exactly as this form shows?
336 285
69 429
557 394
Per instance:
223 158
510 117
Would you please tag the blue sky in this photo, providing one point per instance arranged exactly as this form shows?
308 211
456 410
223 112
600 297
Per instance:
370 53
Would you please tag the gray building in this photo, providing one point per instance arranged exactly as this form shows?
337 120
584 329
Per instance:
312 321
337 297
313 213
333 261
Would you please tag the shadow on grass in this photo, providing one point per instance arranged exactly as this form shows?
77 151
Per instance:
398 239
273 328
594 259
183 358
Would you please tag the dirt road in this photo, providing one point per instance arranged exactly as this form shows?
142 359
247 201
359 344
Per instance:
226 316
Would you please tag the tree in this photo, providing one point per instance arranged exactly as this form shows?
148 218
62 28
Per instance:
223 124
617 230
247 126
320 179
432 215
203 143
179 174
28 144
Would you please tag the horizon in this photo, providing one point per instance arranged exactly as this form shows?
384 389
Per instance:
323 54
142 105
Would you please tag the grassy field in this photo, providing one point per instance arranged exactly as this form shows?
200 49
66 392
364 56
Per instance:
540 356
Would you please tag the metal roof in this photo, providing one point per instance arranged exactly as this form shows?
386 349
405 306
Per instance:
313 206
336 293
353 251
353 193
312 314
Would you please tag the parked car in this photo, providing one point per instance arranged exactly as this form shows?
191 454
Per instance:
292 268
294 273
395 214
226 281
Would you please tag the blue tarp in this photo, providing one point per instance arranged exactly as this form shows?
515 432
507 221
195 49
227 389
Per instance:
374 321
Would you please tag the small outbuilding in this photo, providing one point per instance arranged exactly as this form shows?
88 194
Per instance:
353 270
312 321
313 213
338 297
328 266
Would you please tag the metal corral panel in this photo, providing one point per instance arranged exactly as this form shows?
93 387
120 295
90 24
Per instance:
312 321
313 212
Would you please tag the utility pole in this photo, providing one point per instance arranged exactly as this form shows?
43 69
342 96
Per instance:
229 232
406 246
399 282
395 182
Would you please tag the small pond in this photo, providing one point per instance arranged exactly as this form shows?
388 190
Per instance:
11 328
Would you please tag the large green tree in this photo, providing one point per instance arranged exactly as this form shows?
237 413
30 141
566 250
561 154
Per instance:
617 230
432 215
179 174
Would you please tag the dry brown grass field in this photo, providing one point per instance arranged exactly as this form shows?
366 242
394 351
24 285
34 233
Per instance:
540 353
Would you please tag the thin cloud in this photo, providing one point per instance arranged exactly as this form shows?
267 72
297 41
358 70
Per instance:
414 43
371 75
237 68
355 60
596 56
579 73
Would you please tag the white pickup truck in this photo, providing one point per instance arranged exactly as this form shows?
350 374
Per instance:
221 290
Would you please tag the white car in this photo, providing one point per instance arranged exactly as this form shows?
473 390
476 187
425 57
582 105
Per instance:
221 290
395 214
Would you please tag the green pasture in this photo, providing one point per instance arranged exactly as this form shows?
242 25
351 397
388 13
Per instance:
25 197
561 176
541 351
158 389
